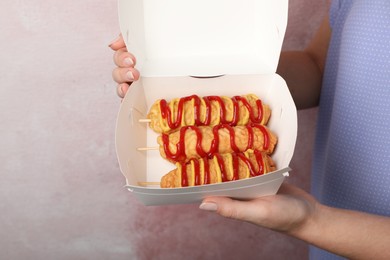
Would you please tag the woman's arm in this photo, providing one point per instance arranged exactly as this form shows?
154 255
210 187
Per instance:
355 235
303 70
292 211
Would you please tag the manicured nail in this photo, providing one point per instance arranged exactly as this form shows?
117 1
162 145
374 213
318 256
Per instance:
116 39
123 90
209 206
120 91
130 75
128 61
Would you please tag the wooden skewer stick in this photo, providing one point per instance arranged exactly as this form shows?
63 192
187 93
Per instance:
148 183
147 148
145 120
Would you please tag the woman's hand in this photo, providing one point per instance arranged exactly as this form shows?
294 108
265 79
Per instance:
287 211
296 213
125 73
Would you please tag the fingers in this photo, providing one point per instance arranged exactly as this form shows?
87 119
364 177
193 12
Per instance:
286 211
124 59
118 43
125 75
264 212
122 89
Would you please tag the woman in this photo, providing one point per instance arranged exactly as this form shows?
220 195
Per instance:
346 71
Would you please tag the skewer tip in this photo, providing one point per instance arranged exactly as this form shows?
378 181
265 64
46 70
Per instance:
148 183
147 148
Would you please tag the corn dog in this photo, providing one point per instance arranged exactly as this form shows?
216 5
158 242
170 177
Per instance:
204 141
220 168
207 111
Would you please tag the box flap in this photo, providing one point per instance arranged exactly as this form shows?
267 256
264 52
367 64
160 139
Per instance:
204 38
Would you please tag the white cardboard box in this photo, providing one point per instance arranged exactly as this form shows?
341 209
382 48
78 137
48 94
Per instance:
202 47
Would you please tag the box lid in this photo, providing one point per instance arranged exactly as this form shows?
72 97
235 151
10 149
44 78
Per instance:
204 38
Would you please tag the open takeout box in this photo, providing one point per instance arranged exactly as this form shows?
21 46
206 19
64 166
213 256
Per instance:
218 47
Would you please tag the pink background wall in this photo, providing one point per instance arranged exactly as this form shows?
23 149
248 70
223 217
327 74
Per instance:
61 194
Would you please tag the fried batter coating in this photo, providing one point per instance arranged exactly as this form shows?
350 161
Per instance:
220 168
196 142
208 111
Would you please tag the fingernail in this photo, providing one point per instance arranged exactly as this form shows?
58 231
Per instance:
130 75
111 43
209 206
123 90
120 91
128 61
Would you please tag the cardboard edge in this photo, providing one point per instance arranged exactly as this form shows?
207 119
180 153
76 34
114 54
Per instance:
247 192
239 184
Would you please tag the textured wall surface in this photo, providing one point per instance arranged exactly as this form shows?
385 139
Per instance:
61 194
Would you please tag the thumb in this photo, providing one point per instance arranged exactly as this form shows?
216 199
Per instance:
234 209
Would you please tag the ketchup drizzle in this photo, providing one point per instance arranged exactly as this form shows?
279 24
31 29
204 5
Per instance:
196 172
254 119
198 181
180 154
206 171
221 165
184 176
236 157
236 175
259 160
166 112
